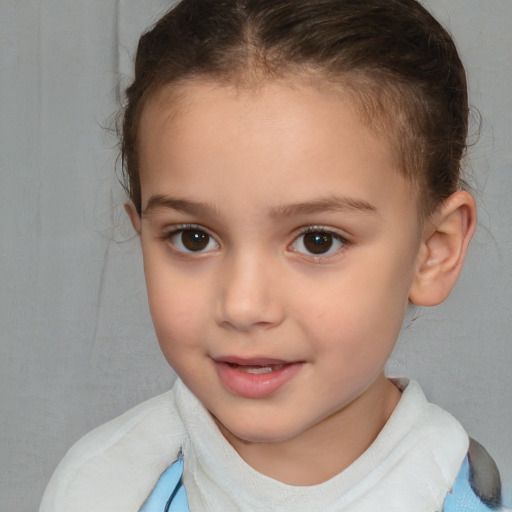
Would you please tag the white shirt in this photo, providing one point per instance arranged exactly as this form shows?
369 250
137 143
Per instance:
409 467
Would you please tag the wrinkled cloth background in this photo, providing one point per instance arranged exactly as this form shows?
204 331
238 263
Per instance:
76 342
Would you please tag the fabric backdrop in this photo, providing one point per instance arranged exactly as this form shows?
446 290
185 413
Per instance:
77 345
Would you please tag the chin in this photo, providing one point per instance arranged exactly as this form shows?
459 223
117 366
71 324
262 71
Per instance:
258 433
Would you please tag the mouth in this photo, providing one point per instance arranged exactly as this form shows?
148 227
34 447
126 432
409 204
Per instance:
256 377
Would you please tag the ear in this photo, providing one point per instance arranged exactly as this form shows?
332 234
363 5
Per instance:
443 248
134 216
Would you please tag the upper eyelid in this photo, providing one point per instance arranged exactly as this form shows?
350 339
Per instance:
175 228
323 229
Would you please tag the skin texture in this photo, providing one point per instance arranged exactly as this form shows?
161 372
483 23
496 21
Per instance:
250 170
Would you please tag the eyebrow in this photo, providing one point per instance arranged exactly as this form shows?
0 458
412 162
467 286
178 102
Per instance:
158 202
328 204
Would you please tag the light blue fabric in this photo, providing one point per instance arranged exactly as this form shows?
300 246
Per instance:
169 486
463 498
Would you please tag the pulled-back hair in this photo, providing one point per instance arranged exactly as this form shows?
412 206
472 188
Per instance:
396 61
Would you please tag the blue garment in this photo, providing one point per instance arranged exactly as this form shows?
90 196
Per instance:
169 494
464 498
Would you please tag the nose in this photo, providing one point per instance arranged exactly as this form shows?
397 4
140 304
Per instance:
248 295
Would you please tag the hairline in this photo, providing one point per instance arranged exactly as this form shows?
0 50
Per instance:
353 85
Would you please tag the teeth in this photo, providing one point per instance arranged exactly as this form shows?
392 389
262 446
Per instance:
259 369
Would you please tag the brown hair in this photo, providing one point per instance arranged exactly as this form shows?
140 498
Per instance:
398 62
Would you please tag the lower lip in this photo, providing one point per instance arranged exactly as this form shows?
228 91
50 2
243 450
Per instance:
255 385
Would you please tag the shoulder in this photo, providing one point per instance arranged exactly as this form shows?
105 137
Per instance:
457 469
114 466
431 427
428 449
478 485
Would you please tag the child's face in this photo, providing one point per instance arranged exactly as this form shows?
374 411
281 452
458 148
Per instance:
280 243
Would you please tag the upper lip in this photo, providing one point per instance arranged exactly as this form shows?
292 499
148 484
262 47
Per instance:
251 361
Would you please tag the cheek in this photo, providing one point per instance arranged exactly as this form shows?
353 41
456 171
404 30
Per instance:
178 325
177 305
358 313
174 308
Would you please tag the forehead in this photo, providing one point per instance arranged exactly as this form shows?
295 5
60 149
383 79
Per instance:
279 133
290 108
348 91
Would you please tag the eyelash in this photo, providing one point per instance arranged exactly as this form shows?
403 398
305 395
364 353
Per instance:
321 230
169 234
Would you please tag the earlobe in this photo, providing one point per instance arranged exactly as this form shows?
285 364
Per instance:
445 241
134 216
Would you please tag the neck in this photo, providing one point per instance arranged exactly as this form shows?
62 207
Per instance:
327 448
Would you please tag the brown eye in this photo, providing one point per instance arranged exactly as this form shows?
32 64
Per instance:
192 240
318 243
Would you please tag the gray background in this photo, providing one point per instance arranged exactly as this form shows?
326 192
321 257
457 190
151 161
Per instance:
77 346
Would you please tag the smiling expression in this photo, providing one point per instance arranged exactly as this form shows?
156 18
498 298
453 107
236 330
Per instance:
280 243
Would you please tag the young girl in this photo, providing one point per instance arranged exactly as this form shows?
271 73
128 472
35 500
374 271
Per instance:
293 171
